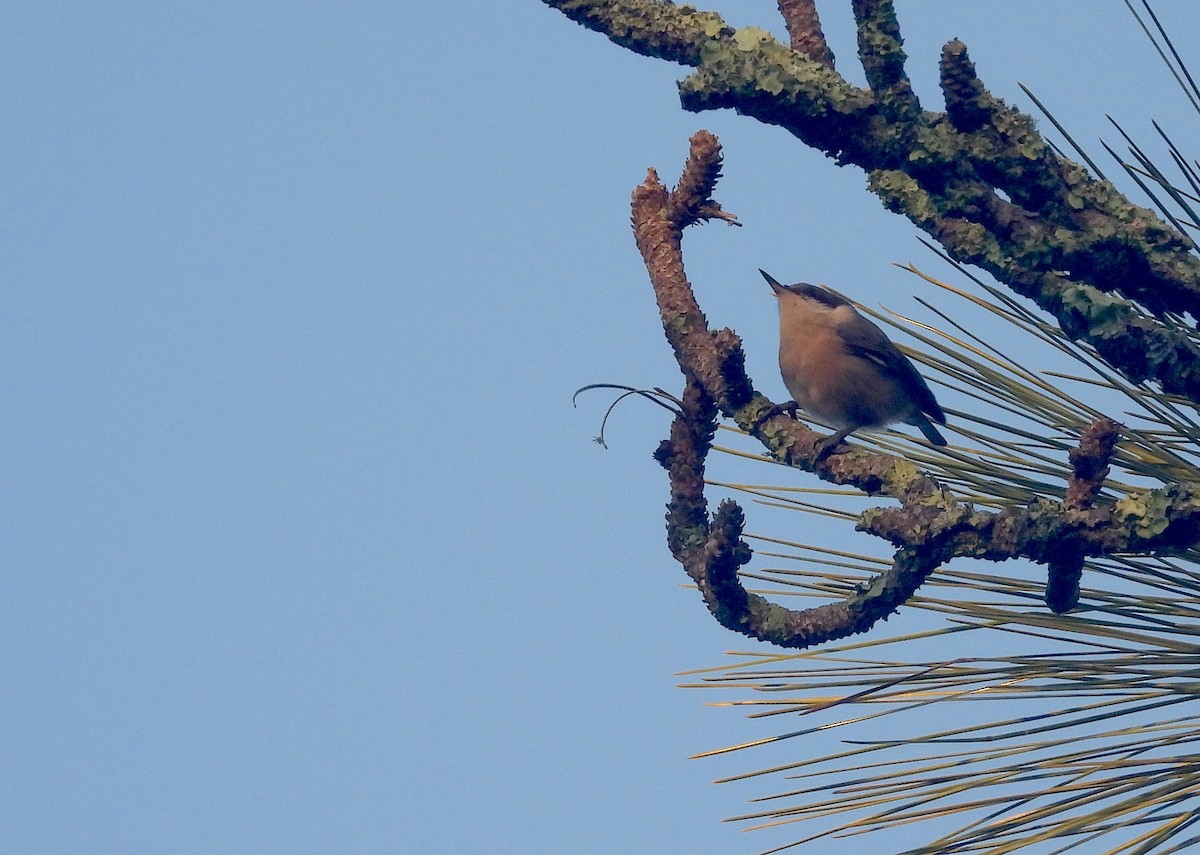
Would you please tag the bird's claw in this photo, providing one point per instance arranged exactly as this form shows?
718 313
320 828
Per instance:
790 408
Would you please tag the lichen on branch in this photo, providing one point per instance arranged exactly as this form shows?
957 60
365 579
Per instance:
930 526
978 177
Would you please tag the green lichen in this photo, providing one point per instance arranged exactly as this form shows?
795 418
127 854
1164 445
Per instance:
751 38
900 192
751 62
937 143
1104 314
902 473
691 537
1147 511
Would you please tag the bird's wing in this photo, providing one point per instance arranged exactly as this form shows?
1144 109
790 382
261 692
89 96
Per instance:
867 341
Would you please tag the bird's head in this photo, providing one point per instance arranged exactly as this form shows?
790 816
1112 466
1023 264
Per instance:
809 293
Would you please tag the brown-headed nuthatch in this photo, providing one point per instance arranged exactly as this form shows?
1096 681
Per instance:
843 370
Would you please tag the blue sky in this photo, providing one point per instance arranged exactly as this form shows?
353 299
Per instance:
305 547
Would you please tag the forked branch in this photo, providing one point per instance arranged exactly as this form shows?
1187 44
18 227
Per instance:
928 528
977 177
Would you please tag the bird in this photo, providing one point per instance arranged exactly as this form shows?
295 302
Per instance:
843 370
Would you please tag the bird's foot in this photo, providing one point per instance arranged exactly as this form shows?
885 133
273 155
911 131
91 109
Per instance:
790 408
828 445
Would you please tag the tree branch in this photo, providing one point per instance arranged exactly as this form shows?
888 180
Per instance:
978 178
1089 468
930 526
804 30
649 27
881 50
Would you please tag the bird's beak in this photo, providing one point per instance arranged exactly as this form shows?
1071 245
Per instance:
775 286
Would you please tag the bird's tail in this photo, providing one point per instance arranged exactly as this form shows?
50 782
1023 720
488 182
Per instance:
926 427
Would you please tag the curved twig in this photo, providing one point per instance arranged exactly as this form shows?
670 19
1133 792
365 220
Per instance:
930 526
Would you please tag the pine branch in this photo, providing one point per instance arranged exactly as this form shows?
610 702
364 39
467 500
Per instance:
978 177
929 528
